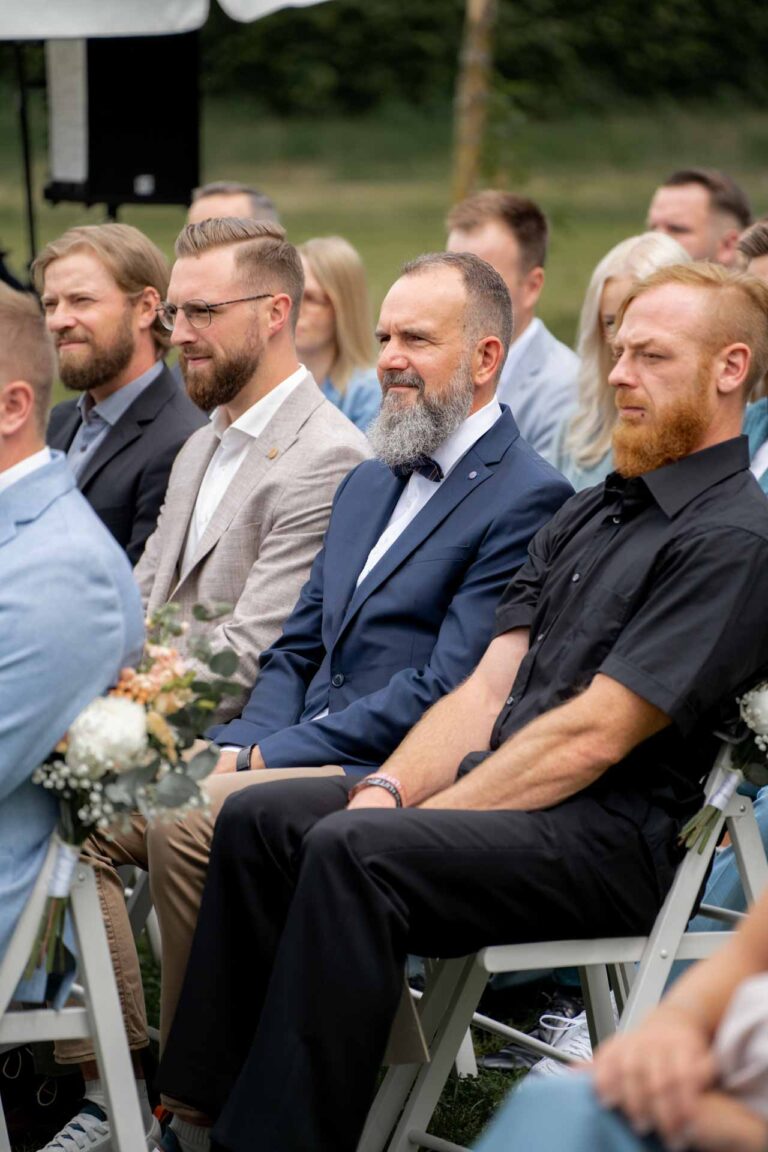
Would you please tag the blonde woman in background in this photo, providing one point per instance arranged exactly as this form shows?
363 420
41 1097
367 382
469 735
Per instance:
582 449
334 334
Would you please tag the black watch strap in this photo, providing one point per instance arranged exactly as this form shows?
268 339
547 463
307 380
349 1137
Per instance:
243 761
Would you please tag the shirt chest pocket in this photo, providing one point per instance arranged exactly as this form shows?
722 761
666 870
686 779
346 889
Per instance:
597 623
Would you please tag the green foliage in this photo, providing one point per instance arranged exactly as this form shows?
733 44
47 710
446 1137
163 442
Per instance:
551 56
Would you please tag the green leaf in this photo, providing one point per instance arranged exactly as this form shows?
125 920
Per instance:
224 663
203 763
174 790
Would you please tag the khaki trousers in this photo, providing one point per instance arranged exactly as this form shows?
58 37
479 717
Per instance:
175 853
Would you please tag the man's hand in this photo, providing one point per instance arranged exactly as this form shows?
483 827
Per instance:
226 763
372 798
658 1074
722 1124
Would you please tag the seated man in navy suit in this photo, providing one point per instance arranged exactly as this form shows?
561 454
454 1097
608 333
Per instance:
400 602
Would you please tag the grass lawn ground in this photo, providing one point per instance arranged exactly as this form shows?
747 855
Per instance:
384 182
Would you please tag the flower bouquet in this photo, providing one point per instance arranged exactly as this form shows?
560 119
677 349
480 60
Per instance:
743 756
125 753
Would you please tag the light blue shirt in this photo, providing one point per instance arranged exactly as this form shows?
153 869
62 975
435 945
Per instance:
97 419
579 476
361 399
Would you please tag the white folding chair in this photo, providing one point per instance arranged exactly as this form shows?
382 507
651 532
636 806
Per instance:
99 1016
639 965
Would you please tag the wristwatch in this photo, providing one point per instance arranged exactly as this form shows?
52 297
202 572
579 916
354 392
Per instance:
243 761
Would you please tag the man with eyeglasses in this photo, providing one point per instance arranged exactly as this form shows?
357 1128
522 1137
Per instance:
100 286
245 512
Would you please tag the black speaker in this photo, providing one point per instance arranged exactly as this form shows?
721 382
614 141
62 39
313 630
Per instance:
124 120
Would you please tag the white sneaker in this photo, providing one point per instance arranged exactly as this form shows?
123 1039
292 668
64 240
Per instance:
86 1132
571 1038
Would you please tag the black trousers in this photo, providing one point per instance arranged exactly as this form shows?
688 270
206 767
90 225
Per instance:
309 912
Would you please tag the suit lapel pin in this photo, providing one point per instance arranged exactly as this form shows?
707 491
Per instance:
272 454
473 475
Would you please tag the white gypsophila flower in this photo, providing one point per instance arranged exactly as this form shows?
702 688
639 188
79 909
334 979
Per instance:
108 736
754 709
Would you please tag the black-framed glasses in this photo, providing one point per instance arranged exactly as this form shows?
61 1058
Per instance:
198 313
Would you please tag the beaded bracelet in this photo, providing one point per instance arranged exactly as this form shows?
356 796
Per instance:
381 780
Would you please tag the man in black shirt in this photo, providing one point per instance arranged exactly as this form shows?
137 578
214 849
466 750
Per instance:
542 798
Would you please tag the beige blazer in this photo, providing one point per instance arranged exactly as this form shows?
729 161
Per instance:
258 547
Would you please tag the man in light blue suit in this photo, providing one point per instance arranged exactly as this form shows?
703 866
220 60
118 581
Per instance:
70 612
538 379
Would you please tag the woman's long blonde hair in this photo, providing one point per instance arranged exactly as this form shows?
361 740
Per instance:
340 273
588 437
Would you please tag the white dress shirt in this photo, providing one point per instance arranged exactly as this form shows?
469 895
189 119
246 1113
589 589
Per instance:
419 491
234 442
24 467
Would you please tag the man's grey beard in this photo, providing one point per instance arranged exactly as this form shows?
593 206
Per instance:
404 431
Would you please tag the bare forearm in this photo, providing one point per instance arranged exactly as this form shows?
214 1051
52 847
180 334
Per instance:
428 758
559 753
545 763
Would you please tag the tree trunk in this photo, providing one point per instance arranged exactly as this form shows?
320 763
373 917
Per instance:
472 90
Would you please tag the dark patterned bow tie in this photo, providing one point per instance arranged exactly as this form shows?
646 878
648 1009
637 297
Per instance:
424 465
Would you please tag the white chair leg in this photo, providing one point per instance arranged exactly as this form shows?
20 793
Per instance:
466 1064
432 1077
597 1002
5 1140
105 1016
747 848
443 979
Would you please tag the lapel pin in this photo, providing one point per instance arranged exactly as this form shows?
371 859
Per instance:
473 475
272 454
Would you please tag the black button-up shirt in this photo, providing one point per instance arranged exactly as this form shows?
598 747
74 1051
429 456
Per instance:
661 583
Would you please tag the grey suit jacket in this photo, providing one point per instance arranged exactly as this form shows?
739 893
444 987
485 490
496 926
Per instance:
258 547
541 389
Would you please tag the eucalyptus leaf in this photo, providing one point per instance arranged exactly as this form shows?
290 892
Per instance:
174 790
203 763
223 663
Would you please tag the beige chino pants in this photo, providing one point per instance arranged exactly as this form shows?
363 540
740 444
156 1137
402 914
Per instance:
175 853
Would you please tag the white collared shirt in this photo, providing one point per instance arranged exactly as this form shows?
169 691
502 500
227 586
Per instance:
24 467
234 442
419 491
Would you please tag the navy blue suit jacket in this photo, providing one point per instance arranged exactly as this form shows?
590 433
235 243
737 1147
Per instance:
378 655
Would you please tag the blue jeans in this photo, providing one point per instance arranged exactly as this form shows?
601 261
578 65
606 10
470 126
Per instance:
561 1114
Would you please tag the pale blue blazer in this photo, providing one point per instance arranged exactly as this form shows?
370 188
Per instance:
756 430
70 618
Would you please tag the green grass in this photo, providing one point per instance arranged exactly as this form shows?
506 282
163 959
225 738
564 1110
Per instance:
385 182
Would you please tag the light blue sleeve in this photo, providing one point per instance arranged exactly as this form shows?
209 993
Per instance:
69 622
362 399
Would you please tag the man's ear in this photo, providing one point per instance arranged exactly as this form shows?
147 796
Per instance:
17 407
486 360
732 365
533 282
726 246
146 305
280 311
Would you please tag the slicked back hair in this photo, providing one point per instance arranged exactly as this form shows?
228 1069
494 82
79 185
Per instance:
26 349
488 310
725 195
522 217
265 259
262 206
